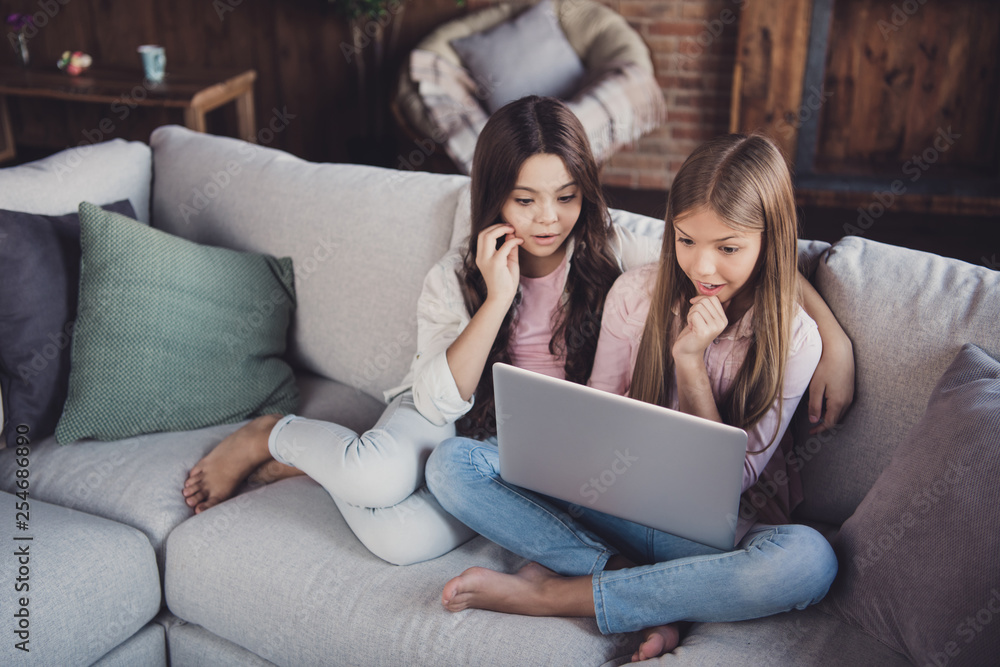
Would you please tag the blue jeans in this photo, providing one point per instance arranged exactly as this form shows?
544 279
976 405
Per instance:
773 569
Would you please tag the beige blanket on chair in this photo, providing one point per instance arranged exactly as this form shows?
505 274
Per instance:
621 103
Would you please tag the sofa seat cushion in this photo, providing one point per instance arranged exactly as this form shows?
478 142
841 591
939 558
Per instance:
359 255
194 645
90 583
137 481
808 637
148 648
908 313
278 572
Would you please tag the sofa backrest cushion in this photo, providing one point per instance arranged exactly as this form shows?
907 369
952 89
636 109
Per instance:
104 172
908 314
361 239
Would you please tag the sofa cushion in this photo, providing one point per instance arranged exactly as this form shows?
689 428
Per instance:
104 172
362 239
933 506
334 603
808 637
90 584
172 335
505 59
148 648
907 313
138 481
41 259
193 645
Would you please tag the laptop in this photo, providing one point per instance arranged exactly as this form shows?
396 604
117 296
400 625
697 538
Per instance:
654 466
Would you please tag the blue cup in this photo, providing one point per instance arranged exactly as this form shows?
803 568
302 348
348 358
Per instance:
154 62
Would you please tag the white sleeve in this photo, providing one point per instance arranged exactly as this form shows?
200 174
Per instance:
441 317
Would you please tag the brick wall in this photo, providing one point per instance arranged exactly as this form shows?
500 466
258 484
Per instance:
693 46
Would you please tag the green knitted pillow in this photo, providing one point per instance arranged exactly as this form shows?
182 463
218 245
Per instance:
172 335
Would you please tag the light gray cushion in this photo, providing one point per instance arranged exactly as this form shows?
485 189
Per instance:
527 55
807 637
328 400
919 568
92 583
359 255
192 645
136 481
148 648
907 313
104 172
278 572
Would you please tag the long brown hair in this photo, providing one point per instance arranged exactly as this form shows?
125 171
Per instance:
526 127
745 181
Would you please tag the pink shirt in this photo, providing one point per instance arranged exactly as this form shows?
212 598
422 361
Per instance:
532 330
621 331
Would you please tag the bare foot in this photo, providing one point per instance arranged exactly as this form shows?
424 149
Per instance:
272 471
657 641
533 590
215 477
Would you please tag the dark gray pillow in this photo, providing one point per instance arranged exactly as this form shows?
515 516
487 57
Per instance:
527 55
920 557
40 256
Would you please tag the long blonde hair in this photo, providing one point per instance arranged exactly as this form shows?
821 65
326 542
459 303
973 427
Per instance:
745 181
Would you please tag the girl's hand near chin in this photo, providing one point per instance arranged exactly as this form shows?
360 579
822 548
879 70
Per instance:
499 266
705 321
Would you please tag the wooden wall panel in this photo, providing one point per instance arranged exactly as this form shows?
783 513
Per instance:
896 79
770 64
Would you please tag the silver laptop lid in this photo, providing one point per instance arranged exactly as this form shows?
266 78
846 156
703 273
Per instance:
655 466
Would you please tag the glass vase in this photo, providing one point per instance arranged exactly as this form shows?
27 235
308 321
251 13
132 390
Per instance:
20 44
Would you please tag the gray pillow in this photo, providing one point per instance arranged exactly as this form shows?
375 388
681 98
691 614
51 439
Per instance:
527 55
920 558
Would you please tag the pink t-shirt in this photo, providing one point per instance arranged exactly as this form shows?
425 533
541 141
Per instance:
621 331
532 330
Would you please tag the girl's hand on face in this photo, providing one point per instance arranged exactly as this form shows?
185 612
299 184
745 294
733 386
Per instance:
499 266
706 320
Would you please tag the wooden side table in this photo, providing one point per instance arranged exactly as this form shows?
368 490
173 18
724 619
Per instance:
196 92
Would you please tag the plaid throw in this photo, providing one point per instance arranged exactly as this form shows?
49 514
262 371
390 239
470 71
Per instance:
622 103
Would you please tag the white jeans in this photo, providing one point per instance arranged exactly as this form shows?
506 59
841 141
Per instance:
376 479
